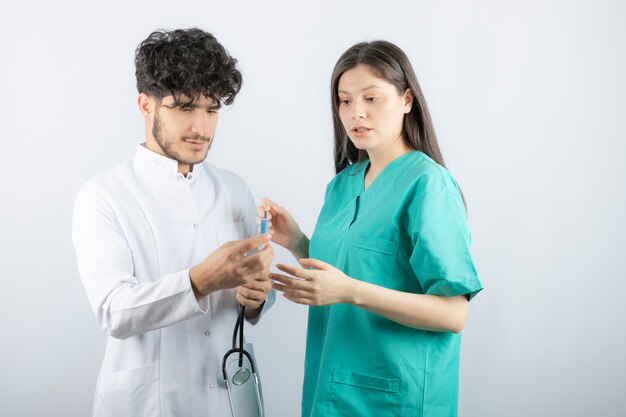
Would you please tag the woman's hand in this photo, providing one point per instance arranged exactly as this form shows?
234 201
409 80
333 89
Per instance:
326 285
323 285
285 231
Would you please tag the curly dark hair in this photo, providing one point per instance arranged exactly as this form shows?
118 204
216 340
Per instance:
189 62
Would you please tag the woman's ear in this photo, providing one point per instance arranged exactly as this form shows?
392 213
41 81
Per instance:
408 100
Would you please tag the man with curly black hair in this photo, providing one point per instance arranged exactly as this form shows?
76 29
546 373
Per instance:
166 241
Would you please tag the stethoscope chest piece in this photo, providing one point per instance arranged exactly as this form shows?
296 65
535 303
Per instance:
241 376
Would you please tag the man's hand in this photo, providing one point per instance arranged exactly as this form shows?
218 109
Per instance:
253 295
229 267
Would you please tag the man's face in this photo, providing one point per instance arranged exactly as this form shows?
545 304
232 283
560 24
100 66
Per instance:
184 132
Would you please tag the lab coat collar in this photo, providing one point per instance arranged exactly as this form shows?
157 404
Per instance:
162 163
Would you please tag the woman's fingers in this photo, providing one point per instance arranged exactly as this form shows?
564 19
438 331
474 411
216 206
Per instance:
272 207
280 287
291 292
288 281
269 206
314 263
291 287
296 272
298 300
267 203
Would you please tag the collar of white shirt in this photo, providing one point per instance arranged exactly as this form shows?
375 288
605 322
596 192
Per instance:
163 164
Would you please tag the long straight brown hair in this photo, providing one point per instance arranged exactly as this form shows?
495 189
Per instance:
390 63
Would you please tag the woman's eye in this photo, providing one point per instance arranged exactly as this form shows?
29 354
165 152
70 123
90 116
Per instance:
371 99
344 102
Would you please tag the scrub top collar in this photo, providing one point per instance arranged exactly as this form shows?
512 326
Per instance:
365 164
163 164
379 189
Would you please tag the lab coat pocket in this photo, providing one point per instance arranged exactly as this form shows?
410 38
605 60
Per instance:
355 394
130 392
372 259
228 232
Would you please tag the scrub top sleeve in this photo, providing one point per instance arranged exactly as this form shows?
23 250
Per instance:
440 235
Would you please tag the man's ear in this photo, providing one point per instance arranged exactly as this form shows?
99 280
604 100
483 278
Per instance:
146 105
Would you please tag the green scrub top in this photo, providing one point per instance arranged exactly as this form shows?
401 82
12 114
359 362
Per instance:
408 232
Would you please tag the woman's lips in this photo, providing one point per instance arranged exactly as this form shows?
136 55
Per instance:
361 131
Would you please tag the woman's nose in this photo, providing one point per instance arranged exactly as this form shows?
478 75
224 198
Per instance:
358 112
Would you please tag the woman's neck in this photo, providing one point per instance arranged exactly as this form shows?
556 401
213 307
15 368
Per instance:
380 158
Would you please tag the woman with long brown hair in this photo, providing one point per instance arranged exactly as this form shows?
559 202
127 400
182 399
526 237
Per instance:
388 272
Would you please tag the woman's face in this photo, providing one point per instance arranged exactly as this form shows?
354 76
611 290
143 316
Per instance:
371 110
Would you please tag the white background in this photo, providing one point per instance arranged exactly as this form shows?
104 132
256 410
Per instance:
528 101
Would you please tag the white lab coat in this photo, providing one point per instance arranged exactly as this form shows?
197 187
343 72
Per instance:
137 230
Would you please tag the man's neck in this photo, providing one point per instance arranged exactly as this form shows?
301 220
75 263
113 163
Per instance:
185 168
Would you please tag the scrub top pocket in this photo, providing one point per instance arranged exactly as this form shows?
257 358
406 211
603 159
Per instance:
357 394
372 259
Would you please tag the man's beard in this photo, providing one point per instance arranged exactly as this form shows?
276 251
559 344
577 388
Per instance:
167 146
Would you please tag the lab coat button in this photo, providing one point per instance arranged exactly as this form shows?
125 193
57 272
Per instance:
212 386
207 333
195 226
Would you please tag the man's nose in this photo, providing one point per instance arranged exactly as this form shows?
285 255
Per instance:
201 123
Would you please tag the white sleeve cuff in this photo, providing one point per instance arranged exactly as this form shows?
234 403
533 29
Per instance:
269 301
199 305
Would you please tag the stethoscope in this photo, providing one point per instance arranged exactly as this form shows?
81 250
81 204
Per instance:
243 374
